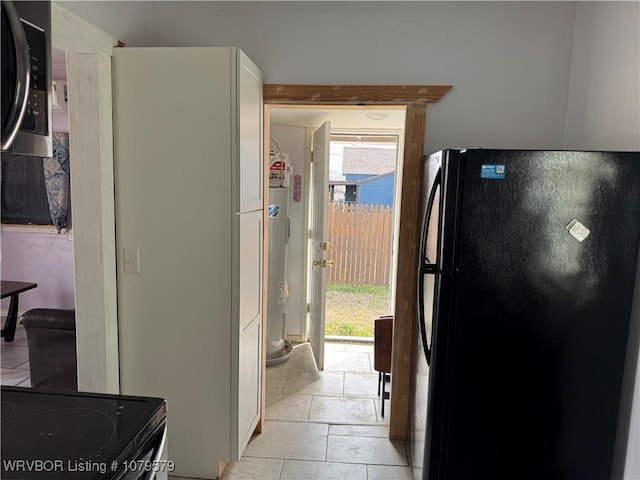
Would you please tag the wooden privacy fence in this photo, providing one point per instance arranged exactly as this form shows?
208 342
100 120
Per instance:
360 237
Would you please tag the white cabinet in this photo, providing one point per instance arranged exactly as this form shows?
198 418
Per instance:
250 319
250 126
188 190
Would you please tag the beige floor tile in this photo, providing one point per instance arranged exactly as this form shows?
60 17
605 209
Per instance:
342 410
12 377
335 347
356 362
301 470
304 364
360 430
359 347
290 440
25 383
315 383
24 366
302 358
21 333
250 468
287 407
276 377
173 477
19 340
361 385
387 472
12 355
369 450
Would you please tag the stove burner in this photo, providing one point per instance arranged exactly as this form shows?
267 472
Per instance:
7 410
53 434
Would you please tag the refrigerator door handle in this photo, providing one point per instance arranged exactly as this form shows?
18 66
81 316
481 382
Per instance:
421 319
430 267
426 267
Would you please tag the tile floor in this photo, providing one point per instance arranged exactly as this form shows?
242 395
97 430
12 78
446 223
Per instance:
14 360
319 425
323 425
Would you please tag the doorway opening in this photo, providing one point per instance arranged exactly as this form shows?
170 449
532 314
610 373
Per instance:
363 181
293 146
355 130
414 98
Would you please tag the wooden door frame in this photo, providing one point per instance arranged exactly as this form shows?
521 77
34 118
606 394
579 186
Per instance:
415 99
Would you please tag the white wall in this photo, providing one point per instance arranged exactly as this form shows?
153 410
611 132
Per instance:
604 97
508 62
604 112
43 258
292 141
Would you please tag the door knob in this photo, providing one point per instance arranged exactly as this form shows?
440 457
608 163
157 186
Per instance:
323 263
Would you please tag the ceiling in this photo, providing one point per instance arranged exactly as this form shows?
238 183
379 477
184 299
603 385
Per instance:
340 117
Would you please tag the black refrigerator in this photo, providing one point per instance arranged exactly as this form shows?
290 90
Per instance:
527 337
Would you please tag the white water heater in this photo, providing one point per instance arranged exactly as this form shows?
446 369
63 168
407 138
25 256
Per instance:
278 348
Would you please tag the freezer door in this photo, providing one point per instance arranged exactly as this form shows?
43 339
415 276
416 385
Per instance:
546 255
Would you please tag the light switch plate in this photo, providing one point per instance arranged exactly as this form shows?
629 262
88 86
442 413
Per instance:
131 261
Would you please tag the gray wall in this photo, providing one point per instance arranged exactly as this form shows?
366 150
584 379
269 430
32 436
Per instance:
508 62
604 97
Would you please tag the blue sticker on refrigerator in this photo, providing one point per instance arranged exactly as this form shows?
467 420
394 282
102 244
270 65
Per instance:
493 172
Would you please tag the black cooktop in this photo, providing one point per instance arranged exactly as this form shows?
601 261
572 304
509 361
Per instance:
56 435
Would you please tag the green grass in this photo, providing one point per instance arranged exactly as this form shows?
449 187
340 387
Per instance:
351 309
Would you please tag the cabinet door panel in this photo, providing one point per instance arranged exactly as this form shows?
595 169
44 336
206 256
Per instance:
249 382
250 267
250 134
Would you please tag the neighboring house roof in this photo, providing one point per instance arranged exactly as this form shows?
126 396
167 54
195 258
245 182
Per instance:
368 161
360 182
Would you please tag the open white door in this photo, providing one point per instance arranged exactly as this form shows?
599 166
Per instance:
318 276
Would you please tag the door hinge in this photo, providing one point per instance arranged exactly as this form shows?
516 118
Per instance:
311 156
308 307
309 235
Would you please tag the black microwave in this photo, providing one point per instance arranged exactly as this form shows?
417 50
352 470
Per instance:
26 78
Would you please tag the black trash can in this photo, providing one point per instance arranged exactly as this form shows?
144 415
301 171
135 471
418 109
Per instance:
51 335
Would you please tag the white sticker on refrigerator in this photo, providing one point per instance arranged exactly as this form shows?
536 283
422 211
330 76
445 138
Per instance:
494 172
577 230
